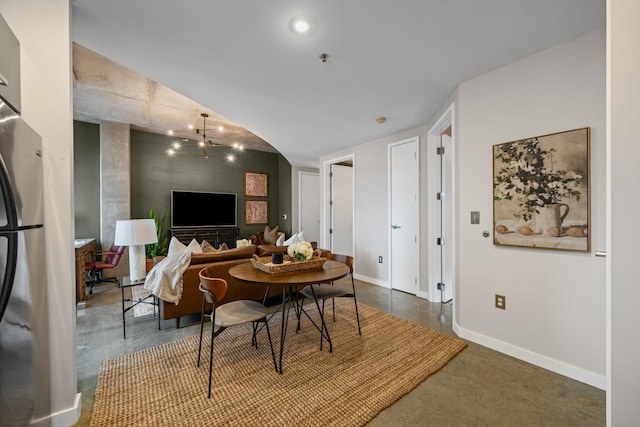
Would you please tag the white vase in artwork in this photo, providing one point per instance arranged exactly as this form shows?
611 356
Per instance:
550 217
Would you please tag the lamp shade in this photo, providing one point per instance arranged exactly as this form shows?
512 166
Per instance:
135 232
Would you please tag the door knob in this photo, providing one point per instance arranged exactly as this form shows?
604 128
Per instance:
395 227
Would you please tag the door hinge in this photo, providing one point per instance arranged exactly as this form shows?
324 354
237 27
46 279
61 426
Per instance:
440 196
440 241
330 230
440 150
330 202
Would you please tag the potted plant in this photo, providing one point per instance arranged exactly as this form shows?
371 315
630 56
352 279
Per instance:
160 248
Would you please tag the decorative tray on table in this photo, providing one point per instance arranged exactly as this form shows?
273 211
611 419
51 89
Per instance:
265 264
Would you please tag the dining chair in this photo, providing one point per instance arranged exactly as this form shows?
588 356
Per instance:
224 316
324 291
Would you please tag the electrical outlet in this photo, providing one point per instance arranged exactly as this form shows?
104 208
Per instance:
380 259
501 302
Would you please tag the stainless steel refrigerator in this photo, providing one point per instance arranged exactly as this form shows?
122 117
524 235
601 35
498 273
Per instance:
24 336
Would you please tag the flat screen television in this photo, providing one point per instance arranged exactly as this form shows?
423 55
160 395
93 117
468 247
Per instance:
203 209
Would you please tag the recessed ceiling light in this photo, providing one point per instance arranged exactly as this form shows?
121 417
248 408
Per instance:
300 25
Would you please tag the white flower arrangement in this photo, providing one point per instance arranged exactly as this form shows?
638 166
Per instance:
242 243
300 251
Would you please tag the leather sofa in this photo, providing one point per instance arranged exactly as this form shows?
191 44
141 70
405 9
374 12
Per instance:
220 261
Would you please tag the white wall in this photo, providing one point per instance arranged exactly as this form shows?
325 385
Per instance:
371 203
555 314
43 29
623 93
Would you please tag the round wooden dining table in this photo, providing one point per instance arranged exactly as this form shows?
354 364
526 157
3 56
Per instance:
291 281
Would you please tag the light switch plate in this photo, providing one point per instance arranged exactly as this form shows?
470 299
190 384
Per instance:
475 217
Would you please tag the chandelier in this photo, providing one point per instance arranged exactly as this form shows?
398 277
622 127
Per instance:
202 141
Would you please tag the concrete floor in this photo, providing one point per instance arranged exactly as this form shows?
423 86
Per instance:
479 387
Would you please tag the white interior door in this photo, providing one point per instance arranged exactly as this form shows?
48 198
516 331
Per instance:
404 215
341 225
309 209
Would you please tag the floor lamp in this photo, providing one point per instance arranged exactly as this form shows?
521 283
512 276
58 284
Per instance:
136 233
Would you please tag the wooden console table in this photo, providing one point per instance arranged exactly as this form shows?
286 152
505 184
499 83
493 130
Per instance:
82 248
216 236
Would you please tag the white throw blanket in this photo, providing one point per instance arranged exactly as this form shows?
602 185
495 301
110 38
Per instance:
165 278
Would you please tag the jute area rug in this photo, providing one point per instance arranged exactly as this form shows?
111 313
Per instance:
161 386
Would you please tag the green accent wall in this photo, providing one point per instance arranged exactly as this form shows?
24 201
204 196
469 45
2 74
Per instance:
154 174
86 176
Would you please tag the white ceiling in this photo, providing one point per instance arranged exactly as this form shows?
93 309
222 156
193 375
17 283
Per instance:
399 59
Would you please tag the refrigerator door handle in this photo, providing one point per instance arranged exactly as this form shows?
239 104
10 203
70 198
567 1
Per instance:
10 271
8 200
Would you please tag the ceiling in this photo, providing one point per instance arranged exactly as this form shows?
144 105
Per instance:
239 59
106 90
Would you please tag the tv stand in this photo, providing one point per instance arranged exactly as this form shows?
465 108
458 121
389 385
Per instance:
214 235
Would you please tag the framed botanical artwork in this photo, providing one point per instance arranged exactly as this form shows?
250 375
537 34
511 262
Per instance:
256 212
541 195
255 184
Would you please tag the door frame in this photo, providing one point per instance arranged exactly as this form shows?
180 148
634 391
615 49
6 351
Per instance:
389 209
433 206
325 216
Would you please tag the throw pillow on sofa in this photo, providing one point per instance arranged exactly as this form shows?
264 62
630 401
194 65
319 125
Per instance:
217 256
270 236
290 241
194 247
208 247
176 247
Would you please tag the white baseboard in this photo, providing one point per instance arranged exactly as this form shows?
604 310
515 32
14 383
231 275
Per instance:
545 362
68 416
371 280
423 295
